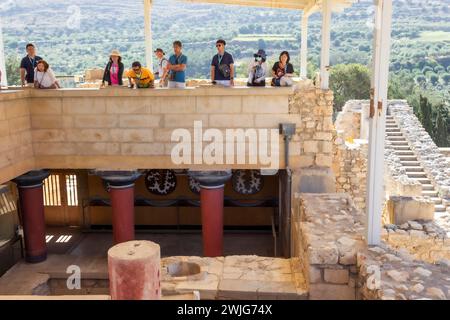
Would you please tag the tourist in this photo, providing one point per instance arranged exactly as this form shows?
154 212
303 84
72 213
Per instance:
161 74
114 70
177 67
44 78
282 71
222 66
257 70
28 64
140 77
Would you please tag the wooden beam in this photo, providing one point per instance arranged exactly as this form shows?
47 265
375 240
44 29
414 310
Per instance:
148 34
325 49
377 130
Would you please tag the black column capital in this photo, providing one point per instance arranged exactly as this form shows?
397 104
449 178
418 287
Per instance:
118 179
31 179
211 179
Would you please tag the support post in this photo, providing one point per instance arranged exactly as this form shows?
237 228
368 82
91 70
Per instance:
304 48
31 200
212 185
134 269
378 109
3 78
325 50
148 34
121 185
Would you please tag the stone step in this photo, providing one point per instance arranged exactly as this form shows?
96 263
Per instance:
439 208
413 169
428 187
430 193
423 181
403 150
410 163
396 138
391 126
400 143
392 130
436 200
408 158
417 174
394 134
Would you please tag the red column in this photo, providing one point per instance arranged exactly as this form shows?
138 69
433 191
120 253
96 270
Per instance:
122 203
31 201
121 185
212 185
211 201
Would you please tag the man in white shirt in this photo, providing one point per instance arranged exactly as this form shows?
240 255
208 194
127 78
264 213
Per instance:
162 64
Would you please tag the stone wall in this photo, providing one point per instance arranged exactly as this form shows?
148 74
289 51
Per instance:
16 149
327 232
387 274
122 129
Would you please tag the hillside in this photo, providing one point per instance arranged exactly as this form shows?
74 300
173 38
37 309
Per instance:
421 34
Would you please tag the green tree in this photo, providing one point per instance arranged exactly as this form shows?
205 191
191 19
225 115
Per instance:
12 70
425 114
349 81
441 133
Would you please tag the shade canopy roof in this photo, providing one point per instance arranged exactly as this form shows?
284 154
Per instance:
308 6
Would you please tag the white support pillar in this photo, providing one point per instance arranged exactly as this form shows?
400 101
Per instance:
325 50
304 47
378 108
3 79
148 34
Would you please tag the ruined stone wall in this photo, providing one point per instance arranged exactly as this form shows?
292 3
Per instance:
387 274
327 232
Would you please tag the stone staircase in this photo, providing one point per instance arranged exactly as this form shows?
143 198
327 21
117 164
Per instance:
411 164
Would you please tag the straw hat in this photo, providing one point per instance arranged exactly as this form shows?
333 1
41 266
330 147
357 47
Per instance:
115 53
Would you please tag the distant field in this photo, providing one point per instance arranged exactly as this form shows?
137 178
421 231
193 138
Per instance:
265 37
434 36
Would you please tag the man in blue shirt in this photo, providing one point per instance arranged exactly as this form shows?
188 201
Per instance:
222 66
28 64
177 67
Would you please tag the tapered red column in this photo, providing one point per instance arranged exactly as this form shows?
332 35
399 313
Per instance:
121 189
212 185
31 201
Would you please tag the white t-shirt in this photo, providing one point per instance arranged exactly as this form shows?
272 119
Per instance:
44 79
162 64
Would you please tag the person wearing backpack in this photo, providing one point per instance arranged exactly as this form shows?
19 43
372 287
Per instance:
282 71
162 64
222 66
177 67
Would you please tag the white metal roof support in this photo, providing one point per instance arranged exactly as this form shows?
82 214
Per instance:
304 47
3 80
148 34
325 50
378 108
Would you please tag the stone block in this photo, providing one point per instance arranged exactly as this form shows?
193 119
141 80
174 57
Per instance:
313 180
325 291
184 121
274 120
403 209
315 275
219 105
336 276
231 121
311 146
45 106
265 104
96 121
139 121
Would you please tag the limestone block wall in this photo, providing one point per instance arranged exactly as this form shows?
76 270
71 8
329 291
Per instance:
315 130
16 149
123 129
327 232
350 168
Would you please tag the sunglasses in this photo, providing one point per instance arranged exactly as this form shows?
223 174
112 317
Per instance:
218 45
136 69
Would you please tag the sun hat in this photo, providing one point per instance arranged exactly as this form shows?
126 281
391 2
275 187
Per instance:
115 53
